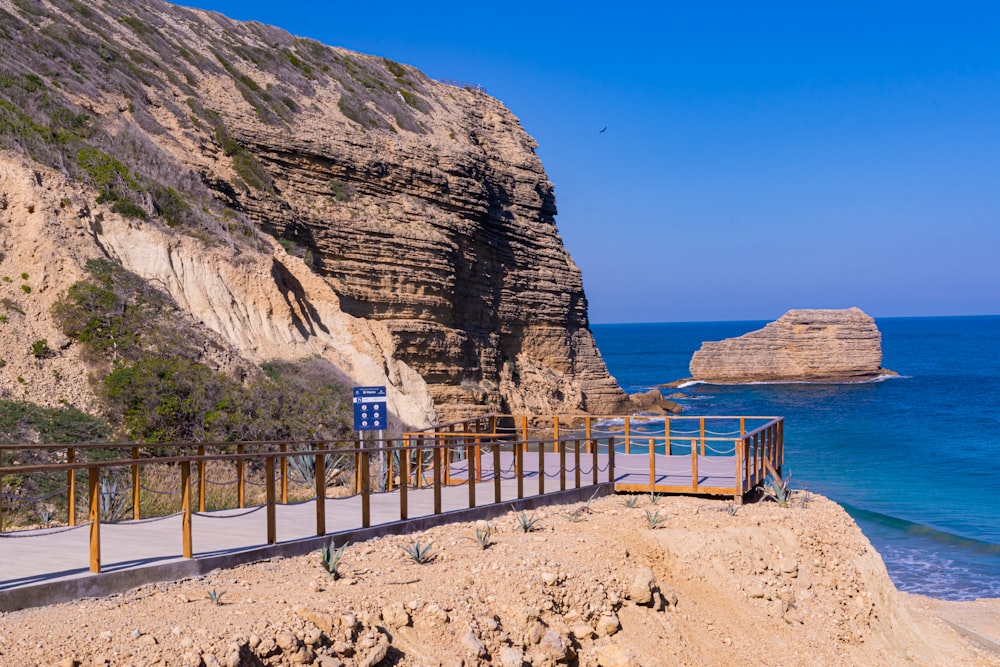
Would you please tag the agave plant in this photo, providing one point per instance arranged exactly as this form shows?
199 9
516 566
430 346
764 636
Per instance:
215 596
483 536
420 554
331 559
779 488
526 523
631 501
654 519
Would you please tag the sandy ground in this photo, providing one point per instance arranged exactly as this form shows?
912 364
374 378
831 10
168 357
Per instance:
589 584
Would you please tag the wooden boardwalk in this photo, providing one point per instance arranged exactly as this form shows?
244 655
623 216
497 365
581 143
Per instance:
46 565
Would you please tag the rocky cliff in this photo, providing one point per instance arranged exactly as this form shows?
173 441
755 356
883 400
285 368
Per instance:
416 223
802 345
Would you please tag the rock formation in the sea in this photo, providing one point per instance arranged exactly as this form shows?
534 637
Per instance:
802 345
419 224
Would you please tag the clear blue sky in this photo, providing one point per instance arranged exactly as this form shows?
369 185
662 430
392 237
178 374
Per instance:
758 156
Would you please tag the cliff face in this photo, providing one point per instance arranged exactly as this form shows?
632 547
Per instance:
802 345
414 211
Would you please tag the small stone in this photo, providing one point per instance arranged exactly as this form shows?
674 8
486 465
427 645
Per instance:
395 616
793 616
473 645
790 566
511 657
549 578
613 655
146 640
641 589
755 591
582 631
328 661
608 625
286 640
72 662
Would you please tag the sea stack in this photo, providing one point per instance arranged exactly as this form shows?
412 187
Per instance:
806 345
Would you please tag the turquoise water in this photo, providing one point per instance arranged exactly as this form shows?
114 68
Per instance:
914 459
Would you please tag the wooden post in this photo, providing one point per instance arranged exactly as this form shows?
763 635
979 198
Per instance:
519 468
366 501
404 479
93 473
436 457
524 431
628 435
389 476
562 468
357 465
201 480
743 426
576 462
479 460
611 460
587 434
187 547
241 482
702 422
592 446
283 469
272 529
667 447
136 511
320 470
541 467
738 452
781 444
694 465
470 470
496 472
555 433
652 465
71 483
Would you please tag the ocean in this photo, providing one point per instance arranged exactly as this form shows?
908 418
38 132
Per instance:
914 459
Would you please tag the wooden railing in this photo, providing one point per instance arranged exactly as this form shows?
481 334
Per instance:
431 463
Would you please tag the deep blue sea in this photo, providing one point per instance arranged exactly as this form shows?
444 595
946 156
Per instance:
914 459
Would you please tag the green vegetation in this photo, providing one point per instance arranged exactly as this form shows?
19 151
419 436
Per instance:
331 559
525 523
215 596
654 519
21 421
420 554
778 488
116 183
40 349
484 537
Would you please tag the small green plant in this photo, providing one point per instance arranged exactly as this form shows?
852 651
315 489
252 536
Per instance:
654 519
631 501
778 488
24 276
7 279
421 554
40 349
732 509
654 498
483 537
26 289
215 596
3 319
21 380
526 523
576 516
331 559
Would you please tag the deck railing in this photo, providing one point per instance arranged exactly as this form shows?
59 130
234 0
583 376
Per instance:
431 463
704 455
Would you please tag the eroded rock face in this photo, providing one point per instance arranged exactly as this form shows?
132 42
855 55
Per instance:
801 345
416 206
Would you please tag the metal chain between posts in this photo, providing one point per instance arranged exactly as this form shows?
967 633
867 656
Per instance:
32 499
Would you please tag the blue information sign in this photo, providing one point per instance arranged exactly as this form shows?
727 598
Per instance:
369 409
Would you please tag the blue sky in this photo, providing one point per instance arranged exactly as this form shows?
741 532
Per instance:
758 156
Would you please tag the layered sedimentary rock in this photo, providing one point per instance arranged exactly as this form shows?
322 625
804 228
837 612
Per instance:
801 345
421 207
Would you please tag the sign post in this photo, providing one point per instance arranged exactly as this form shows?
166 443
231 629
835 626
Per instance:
370 415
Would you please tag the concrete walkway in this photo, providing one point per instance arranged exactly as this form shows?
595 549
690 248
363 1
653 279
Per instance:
45 566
